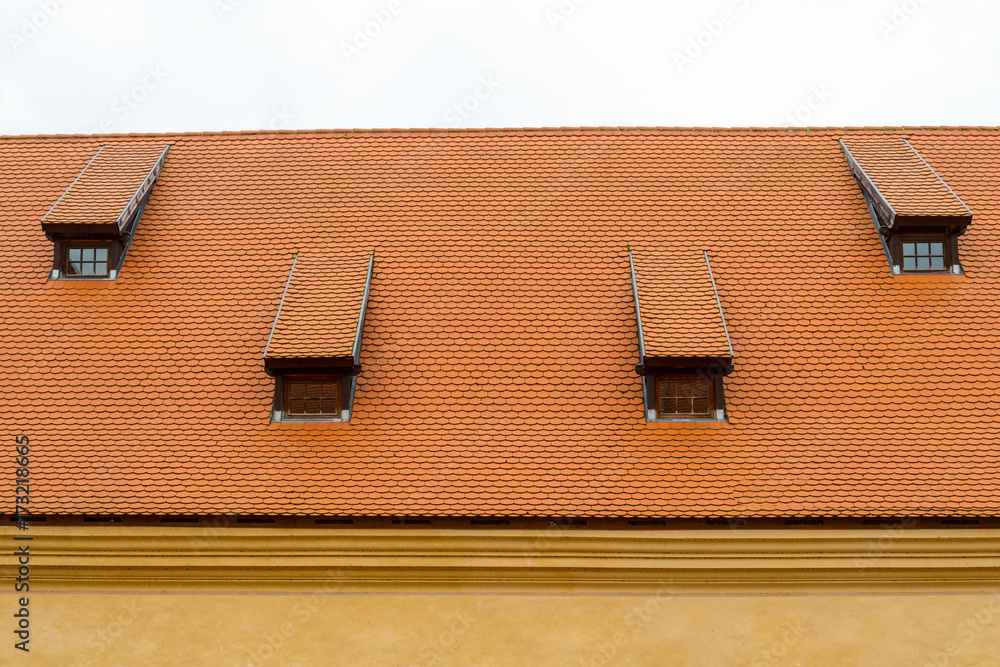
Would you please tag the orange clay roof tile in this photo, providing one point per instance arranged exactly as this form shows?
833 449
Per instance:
678 305
500 335
321 308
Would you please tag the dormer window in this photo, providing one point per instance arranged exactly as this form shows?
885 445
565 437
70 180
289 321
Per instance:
684 347
923 254
93 223
918 217
684 396
85 261
314 350
315 396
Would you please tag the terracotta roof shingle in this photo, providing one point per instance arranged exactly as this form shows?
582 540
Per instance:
500 335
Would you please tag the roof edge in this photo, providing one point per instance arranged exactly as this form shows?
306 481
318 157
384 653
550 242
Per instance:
638 129
282 303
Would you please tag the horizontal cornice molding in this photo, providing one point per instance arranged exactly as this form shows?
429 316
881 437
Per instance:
555 560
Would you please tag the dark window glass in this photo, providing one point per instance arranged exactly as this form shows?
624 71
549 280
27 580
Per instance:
87 261
313 397
924 256
683 395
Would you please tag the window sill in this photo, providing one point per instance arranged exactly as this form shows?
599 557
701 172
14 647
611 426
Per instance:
58 277
940 278
308 425
62 283
689 423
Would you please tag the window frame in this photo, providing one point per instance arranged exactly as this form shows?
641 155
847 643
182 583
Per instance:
713 374
943 238
283 381
66 245
683 377
286 396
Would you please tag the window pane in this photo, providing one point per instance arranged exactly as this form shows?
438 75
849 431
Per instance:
937 263
923 249
909 263
923 263
909 249
84 261
937 249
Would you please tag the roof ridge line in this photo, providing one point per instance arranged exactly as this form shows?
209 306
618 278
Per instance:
664 129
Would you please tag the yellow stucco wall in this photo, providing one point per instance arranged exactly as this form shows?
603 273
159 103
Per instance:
510 629
107 595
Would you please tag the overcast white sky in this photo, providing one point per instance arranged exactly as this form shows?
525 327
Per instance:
81 66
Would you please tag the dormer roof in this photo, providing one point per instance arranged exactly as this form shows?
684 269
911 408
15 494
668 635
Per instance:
108 192
903 188
678 308
321 316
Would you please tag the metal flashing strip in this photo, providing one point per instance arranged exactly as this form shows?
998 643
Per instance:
131 234
878 231
73 183
719 302
853 163
278 314
144 188
907 142
356 351
638 313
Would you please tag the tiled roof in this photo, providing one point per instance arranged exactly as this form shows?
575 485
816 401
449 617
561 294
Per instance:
903 177
105 184
500 334
321 307
678 306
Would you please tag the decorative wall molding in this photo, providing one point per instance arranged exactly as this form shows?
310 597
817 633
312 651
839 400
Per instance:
557 560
